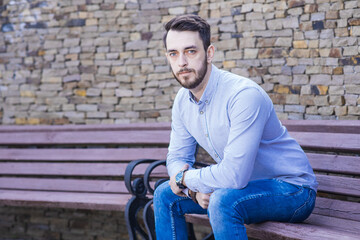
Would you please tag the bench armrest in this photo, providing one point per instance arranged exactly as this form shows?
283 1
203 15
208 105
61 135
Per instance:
136 187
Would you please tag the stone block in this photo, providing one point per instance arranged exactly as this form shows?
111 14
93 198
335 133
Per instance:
355 31
341 111
291 22
295 108
123 93
96 114
327 111
300 44
52 44
230 44
321 100
72 78
250 53
352 89
354 110
136 45
320 79
300 53
337 100
283 42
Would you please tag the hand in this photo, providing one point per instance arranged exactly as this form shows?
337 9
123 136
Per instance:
203 199
174 187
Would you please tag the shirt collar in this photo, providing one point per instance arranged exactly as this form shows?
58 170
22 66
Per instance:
210 88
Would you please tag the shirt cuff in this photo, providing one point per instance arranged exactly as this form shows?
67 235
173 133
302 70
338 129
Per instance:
186 192
192 179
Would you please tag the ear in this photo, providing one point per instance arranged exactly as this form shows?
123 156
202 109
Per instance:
210 53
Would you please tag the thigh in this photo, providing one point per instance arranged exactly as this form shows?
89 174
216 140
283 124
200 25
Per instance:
267 200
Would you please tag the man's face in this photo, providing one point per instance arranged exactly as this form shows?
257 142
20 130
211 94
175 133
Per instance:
187 57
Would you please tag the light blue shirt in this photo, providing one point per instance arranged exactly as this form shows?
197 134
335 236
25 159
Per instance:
235 122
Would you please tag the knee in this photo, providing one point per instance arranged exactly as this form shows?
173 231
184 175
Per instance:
218 202
160 193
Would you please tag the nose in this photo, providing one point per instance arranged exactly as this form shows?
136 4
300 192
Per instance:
182 61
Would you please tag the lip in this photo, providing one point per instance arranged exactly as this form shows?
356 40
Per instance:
184 73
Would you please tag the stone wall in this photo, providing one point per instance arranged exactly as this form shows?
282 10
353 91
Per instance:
66 224
102 61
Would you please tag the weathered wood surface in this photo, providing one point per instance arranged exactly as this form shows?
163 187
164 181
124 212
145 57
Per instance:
71 169
335 163
81 154
335 126
96 201
344 142
290 231
65 185
131 137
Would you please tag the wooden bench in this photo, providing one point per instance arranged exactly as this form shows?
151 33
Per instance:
79 167
333 148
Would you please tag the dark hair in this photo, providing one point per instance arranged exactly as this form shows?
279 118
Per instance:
189 23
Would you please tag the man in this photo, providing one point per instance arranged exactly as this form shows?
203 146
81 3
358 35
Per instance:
261 173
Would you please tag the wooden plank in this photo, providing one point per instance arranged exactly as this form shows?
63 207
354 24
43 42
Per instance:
65 185
93 201
77 154
149 137
335 223
334 126
337 208
87 127
339 185
279 230
335 163
328 141
71 169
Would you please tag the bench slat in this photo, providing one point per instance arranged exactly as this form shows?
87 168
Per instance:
71 169
339 185
149 137
337 208
328 141
279 230
71 185
335 126
335 163
96 201
77 154
336 223
87 127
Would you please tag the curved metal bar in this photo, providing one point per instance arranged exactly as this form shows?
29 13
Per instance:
147 173
138 188
148 216
132 209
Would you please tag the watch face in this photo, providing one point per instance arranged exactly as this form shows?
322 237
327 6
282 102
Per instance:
179 177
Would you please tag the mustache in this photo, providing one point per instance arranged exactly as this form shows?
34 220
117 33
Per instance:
185 70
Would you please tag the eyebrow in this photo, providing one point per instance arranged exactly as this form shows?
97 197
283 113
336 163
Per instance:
189 47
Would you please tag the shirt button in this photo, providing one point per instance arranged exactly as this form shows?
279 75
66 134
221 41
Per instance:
216 155
206 101
201 112
206 135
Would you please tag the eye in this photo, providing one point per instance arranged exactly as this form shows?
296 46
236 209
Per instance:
191 51
172 54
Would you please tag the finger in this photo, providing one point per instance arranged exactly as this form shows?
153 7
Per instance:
186 166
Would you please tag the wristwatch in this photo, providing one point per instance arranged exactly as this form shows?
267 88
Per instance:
179 178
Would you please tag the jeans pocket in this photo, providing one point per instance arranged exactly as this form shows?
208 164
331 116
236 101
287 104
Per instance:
304 211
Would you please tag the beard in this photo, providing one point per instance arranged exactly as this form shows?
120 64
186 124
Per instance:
199 76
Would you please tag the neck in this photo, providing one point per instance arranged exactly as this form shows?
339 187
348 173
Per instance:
199 90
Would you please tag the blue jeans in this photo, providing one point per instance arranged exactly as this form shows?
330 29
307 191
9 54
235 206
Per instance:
230 209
